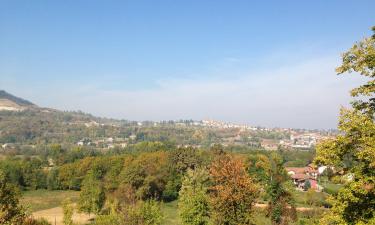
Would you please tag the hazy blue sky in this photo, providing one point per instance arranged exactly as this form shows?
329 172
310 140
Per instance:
267 63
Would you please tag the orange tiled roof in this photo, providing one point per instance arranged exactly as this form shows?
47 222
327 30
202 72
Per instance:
296 169
300 176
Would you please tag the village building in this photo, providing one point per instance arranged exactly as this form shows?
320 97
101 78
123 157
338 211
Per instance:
270 144
301 175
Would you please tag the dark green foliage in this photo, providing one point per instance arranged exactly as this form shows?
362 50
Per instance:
147 174
53 182
13 171
183 159
33 175
256 167
328 172
307 185
10 210
172 187
24 173
217 149
111 181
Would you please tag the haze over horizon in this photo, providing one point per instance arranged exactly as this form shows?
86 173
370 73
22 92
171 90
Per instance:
270 64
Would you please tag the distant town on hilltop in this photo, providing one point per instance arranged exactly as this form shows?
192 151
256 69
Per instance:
34 124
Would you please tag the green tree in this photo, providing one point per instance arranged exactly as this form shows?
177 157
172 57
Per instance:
92 197
361 59
193 202
111 219
53 182
173 186
68 211
311 197
281 207
113 216
184 158
150 213
217 149
13 171
328 172
355 203
11 213
259 166
307 185
144 213
147 174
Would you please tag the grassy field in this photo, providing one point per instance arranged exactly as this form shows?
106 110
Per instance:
171 216
44 203
44 199
171 213
332 188
301 198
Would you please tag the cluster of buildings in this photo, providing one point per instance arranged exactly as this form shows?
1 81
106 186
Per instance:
225 125
296 141
306 177
108 142
270 144
303 140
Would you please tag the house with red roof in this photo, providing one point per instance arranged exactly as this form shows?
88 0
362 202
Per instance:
301 175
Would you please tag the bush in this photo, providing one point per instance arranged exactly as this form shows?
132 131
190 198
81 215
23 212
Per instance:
336 179
332 189
144 213
107 220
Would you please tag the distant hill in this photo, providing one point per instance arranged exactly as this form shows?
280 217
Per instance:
21 121
13 103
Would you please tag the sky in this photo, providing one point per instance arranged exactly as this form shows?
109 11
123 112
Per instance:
262 63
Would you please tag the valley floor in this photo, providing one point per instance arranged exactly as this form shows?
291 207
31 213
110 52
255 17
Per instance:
55 216
47 204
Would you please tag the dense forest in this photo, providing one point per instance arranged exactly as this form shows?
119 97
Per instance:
152 172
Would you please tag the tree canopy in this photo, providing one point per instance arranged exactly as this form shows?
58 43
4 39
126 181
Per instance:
353 151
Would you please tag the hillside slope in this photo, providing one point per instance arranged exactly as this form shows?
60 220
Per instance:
12 103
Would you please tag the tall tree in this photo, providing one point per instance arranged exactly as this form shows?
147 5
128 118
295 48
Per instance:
355 203
361 59
91 199
193 203
281 207
147 174
233 192
184 158
68 211
10 210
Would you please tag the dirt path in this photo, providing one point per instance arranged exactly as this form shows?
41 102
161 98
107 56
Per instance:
56 214
301 209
